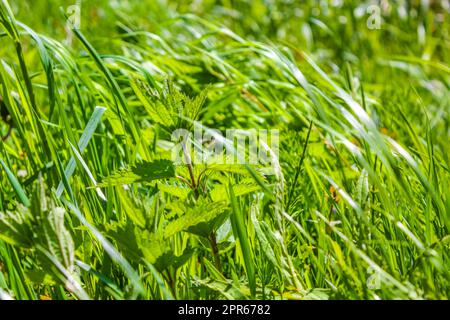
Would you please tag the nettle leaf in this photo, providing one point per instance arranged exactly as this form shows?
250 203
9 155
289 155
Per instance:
157 252
157 111
220 172
141 172
137 244
226 288
177 191
175 209
17 228
201 220
194 106
362 188
58 240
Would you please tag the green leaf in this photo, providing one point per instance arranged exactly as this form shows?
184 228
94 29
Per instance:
16 185
219 193
125 238
266 245
114 86
159 254
141 172
58 239
177 191
82 144
237 222
158 111
317 294
17 228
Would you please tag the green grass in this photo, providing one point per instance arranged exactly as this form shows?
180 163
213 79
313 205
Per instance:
357 205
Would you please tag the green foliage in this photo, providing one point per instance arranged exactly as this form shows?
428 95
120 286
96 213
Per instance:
202 219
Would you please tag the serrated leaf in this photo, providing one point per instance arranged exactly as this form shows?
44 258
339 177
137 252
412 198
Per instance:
362 188
200 220
171 108
17 228
16 185
135 214
239 229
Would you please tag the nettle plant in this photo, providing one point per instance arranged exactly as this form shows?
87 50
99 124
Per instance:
195 205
